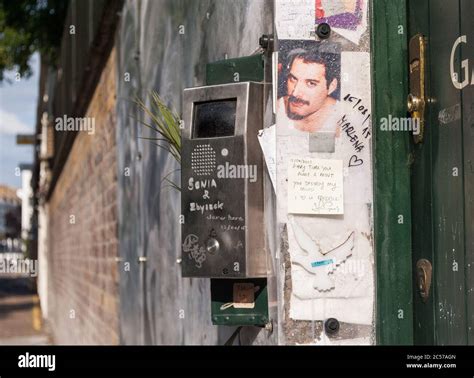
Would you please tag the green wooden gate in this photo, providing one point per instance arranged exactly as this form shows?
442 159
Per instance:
443 175
440 184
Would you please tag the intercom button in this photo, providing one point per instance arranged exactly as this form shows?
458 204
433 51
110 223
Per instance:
212 245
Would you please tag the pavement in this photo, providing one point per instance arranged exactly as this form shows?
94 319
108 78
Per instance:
20 313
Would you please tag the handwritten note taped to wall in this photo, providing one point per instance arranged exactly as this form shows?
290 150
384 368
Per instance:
315 186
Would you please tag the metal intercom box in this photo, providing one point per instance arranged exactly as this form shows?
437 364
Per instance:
222 181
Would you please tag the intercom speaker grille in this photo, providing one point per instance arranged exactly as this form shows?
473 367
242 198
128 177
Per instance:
203 160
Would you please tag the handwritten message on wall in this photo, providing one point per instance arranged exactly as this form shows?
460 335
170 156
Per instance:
315 186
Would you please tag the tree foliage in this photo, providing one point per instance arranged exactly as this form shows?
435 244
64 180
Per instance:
27 26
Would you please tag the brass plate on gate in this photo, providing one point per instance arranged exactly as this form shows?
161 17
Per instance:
417 98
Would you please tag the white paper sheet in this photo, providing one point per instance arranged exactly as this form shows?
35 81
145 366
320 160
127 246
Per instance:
315 186
267 140
295 19
352 298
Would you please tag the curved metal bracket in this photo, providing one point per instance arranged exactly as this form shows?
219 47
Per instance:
424 274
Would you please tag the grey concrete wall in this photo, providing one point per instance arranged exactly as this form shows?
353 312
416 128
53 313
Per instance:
157 57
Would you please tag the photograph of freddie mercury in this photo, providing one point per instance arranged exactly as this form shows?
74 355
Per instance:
309 91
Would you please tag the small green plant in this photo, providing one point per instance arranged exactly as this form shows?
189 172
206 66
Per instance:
166 123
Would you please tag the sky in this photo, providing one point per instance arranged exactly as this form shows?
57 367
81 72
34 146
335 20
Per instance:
18 102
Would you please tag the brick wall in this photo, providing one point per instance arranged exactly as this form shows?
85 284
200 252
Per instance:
83 276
